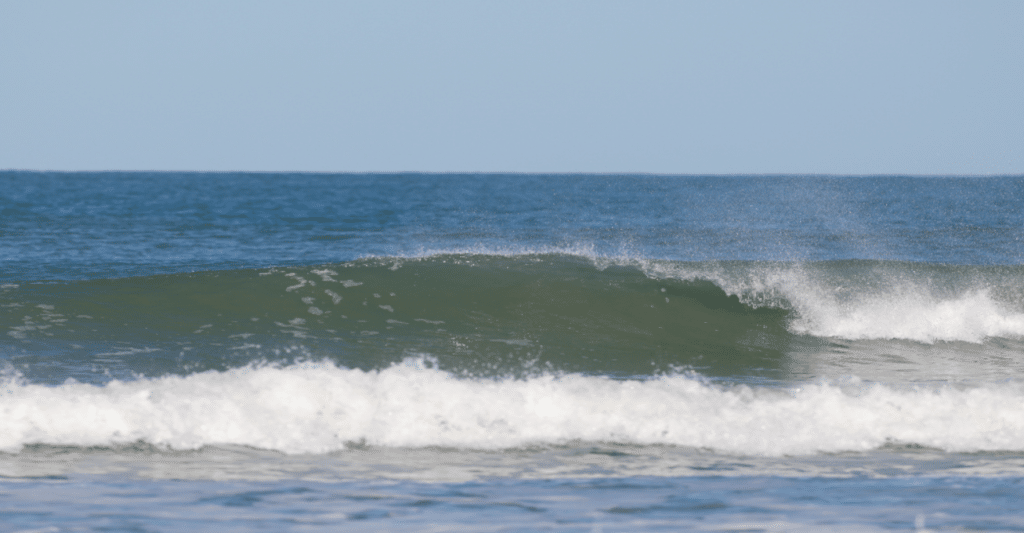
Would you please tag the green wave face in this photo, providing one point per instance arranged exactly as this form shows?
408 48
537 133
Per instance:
516 316
468 314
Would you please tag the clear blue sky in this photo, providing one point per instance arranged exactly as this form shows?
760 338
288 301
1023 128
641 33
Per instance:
864 87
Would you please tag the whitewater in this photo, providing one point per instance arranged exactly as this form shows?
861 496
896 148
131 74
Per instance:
318 408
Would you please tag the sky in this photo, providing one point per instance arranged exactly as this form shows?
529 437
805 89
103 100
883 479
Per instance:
668 87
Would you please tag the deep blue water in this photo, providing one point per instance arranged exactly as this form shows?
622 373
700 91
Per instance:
195 351
85 225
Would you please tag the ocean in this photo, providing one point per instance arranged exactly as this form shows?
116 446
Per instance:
490 352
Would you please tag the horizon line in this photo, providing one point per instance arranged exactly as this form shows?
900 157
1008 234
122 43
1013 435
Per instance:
525 173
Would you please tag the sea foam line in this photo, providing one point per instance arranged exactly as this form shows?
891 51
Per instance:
319 408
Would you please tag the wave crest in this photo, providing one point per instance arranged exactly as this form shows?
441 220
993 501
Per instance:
864 300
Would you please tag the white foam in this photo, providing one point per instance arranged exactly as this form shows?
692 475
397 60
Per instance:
826 304
970 317
318 408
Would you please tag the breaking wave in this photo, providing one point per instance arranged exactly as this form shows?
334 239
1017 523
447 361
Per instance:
320 408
